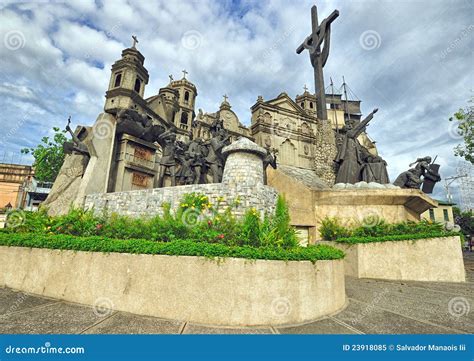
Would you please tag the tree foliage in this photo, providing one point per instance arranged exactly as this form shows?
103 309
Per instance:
465 221
464 119
48 155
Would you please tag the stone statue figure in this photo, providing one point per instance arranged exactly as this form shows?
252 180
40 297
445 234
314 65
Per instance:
186 173
374 168
129 121
167 141
215 159
350 154
412 178
269 159
197 155
216 126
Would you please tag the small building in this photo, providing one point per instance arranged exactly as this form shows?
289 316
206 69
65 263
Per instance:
32 193
12 177
443 213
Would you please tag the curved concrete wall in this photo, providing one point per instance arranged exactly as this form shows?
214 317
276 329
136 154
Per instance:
231 291
432 259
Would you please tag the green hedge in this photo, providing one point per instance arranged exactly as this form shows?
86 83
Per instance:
176 248
397 237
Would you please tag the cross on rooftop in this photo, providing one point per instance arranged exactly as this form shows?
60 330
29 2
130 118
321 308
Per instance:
184 73
135 41
225 97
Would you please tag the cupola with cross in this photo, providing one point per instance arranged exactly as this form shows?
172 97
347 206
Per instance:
127 81
307 101
187 94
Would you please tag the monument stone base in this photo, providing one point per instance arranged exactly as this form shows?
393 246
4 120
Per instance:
310 205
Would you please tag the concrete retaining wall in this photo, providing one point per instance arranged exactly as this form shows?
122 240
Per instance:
433 259
229 292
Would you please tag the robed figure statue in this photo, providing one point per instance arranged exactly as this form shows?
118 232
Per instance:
350 156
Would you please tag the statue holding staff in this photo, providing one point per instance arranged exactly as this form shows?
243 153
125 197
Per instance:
350 155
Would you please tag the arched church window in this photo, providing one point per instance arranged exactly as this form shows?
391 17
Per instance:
311 105
138 85
186 96
118 79
184 118
302 105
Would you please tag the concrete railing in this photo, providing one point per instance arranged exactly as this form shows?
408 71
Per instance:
231 291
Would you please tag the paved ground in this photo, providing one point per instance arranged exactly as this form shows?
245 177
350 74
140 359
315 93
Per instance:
374 307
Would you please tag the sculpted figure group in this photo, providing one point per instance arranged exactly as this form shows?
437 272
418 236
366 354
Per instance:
184 162
355 163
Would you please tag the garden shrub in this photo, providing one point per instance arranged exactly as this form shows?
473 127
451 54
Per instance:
195 219
176 248
331 229
370 231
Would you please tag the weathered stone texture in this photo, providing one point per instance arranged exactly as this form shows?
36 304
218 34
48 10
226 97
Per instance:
149 202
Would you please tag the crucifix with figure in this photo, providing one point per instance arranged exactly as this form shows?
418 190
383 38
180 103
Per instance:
319 37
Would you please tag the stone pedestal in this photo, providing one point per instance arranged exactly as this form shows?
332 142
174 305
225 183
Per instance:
135 164
244 164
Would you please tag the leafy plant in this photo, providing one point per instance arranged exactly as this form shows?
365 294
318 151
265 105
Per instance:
331 229
216 227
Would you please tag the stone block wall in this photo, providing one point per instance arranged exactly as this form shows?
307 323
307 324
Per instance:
149 202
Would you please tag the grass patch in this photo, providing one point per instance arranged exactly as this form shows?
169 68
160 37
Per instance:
174 248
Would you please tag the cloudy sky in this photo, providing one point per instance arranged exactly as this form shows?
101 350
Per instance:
411 59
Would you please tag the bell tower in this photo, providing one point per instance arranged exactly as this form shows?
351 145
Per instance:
187 94
127 81
307 101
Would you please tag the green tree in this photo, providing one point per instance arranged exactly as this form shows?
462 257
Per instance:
49 156
465 128
465 221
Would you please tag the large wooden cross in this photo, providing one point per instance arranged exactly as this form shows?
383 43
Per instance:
319 33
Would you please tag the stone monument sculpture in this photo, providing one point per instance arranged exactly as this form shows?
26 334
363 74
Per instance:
215 160
197 153
167 141
350 155
423 172
77 157
131 122
374 169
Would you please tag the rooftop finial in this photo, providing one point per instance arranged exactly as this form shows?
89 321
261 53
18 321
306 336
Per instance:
171 77
135 41
225 97
305 88
184 73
